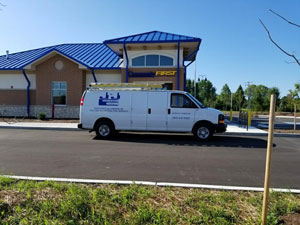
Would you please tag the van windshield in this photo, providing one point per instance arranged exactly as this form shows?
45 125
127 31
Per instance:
196 100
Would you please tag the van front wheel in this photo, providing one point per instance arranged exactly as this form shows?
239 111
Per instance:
203 132
105 130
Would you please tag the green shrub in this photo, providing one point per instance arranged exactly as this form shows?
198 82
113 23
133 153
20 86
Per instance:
42 116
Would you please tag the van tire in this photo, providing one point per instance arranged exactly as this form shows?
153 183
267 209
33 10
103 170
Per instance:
203 131
104 129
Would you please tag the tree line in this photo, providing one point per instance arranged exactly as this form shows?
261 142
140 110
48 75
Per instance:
259 101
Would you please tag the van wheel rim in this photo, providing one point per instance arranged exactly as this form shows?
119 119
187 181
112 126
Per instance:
104 130
203 132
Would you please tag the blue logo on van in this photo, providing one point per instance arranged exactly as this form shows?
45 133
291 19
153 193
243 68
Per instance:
109 100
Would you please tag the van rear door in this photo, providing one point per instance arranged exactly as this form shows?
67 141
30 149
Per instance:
157 111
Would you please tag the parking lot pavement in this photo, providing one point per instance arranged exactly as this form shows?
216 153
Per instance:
225 160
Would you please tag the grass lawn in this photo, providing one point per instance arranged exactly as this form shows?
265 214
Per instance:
31 202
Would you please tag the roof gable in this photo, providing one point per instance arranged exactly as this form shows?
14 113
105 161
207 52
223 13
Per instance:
153 37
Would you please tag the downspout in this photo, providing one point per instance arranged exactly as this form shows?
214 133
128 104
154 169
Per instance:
184 88
127 62
178 66
93 73
28 91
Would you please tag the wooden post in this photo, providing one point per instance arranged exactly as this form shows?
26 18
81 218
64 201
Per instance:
295 113
268 160
231 107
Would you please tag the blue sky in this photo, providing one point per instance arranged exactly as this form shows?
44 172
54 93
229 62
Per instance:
235 48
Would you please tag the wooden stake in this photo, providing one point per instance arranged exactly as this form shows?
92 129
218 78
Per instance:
268 160
295 112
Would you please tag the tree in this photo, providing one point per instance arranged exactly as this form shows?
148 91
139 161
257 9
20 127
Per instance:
274 90
260 100
206 93
259 97
190 86
275 43
286 104
239 98
296 100
295 94
225 97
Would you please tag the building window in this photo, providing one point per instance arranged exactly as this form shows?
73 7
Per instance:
138 61
59 93
152 60
166 61
181 101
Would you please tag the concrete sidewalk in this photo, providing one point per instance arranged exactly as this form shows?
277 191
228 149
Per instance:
41 126
236 130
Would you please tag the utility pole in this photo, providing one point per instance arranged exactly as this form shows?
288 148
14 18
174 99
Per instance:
249 103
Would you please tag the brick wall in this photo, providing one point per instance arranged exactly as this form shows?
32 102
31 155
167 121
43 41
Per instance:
46 73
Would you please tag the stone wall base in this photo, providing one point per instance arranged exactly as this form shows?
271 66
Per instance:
60 112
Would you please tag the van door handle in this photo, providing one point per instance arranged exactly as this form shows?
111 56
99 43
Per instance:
169 111
149 111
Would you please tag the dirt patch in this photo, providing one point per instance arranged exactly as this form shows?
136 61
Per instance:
12 198
45 194
291 219
282 131
287 131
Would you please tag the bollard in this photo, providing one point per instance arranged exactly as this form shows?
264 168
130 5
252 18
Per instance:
53 109
249 117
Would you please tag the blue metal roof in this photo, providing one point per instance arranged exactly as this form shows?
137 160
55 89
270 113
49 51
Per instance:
153 37
93 56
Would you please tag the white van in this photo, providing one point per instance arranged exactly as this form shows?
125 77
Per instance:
107 110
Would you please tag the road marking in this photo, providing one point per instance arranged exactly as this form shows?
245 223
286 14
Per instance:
149 183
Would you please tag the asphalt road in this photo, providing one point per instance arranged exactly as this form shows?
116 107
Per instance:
263 122
226 160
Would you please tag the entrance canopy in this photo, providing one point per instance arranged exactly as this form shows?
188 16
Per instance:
190 45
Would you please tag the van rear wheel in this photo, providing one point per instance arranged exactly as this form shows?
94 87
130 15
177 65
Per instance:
203 132
104 129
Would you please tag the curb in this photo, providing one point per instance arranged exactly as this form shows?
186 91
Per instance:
261 134
42 128
77 129
245 134
150 183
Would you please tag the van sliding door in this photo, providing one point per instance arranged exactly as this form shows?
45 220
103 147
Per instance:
139 109
157 111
